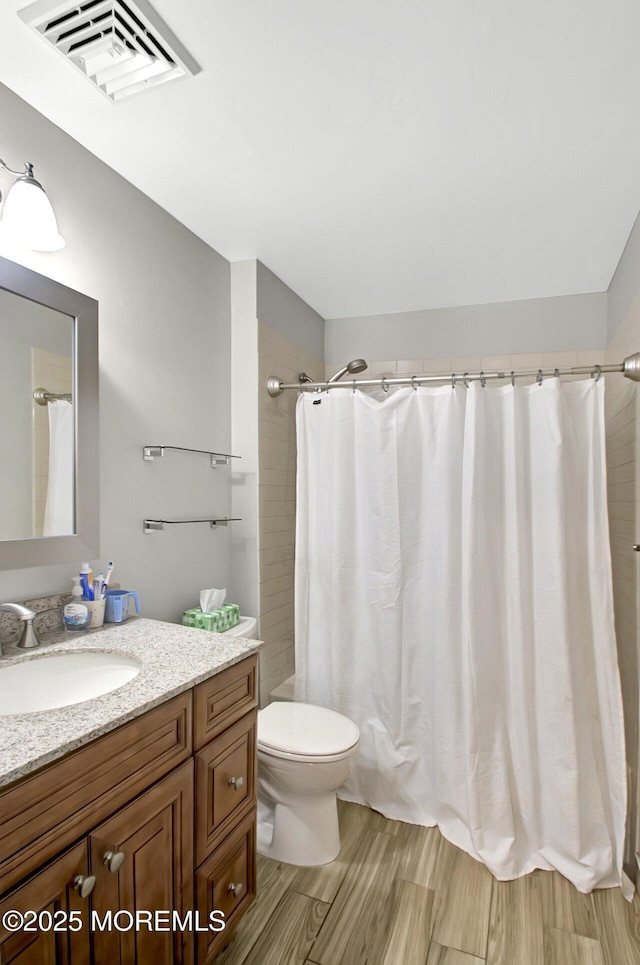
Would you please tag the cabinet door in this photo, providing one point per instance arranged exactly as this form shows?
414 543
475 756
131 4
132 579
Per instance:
226 882
50 891
142 859
225 784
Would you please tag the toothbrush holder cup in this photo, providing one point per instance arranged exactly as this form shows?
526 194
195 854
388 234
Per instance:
117 605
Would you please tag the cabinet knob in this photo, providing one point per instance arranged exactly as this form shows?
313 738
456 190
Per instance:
84 885
236 782
236 890
113 860
636 547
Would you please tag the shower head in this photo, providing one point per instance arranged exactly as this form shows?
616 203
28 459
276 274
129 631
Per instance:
352 367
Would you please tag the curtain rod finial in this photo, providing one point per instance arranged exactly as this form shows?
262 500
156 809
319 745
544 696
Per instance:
274 386
632 367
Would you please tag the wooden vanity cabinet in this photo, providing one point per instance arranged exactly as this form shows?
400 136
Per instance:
52 808
156 836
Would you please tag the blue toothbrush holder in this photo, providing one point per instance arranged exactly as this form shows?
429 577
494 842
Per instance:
117 605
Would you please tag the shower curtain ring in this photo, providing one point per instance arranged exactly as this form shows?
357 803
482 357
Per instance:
483 381
354 386
556 373
383 383
465 379
453 380
539 377
597 372
513 378
413 383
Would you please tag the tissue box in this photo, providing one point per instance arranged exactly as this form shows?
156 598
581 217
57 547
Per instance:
218 620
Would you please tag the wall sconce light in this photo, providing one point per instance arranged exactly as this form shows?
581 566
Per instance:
27 215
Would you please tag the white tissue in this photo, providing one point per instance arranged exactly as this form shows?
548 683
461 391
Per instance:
211 600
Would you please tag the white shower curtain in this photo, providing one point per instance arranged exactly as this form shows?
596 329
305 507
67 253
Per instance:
58 514
453 597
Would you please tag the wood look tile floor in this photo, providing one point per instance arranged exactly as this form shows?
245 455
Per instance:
398 894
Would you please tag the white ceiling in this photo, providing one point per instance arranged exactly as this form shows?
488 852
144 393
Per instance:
380 155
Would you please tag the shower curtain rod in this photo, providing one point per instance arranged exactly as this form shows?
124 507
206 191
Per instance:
630 368
42 396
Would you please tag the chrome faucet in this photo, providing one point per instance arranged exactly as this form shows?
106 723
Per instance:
28 638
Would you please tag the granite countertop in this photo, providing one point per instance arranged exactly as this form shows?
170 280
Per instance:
174 659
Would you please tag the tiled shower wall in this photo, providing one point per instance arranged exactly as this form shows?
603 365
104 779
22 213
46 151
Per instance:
277 502
623 469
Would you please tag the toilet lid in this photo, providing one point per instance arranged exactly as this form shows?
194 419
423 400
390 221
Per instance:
305 730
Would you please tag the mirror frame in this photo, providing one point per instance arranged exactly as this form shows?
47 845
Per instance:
84 543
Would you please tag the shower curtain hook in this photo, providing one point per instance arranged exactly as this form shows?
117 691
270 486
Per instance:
453 380
483 381
513 378
385 387
539 377
597 372
413 383
556 373
354 386
465 379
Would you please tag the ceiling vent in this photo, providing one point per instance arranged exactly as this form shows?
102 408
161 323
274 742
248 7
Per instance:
122 46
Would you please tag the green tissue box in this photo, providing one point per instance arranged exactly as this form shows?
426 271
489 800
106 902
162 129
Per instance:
217 620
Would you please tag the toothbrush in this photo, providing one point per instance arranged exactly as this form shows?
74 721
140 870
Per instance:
107 578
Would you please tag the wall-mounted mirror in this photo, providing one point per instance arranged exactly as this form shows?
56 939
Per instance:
48 421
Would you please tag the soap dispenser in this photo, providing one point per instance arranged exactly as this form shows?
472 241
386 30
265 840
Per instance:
75 613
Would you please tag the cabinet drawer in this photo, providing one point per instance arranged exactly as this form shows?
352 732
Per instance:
225 783
226 882
224 699
54 807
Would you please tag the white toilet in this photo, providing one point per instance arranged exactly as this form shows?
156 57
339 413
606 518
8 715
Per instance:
246 627
304 754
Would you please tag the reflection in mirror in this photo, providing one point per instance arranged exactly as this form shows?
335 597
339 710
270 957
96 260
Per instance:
37 452
49 341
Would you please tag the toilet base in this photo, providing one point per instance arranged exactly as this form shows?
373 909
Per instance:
305 834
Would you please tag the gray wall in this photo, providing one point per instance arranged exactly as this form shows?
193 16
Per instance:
245 577
256 294
290 340
282 309
164 367
566 323
624 288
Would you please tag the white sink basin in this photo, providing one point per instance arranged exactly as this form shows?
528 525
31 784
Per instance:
61 679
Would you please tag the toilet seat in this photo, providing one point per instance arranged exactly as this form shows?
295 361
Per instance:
305 758
306 733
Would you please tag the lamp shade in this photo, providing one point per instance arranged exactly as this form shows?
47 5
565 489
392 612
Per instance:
27 216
